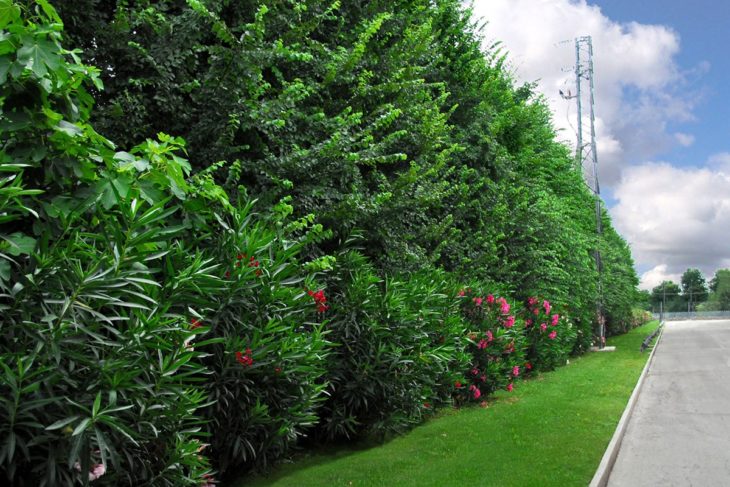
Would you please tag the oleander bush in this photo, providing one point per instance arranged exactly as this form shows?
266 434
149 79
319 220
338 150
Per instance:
496 345
398 349
551 337
268 320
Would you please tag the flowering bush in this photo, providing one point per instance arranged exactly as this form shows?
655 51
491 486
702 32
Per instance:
267 369
496 346
550 336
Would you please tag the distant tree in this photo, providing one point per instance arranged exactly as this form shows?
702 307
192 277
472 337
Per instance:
694 287
669 293
719 298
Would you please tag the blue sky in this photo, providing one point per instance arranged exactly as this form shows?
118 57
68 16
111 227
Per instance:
663 119
704 30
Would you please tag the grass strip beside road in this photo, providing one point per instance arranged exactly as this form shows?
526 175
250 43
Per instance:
552 430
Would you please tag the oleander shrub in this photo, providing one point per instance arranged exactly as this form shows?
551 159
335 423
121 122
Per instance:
268 368
398 349
496 346
551 337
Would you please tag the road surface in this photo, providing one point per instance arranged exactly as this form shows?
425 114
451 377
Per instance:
679 432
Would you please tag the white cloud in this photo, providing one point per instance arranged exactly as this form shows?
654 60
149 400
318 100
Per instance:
639 88
675 218
685 140
653 277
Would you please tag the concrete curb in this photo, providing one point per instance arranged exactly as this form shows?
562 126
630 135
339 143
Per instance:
600 478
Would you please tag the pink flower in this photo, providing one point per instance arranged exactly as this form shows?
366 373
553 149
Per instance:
461 293
543 327
483 378
474 371
536 311
490 337
475 391
528 323
478 301
532 301
553 334
555 320
509 322
97 471
482 344
505 307
516 370
510 387
546 305
490 299
528 366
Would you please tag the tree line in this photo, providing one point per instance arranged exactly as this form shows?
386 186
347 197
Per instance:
693 293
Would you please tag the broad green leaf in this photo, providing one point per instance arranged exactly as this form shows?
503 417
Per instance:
20 244
9 12
40 56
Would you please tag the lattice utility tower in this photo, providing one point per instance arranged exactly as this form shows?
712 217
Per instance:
585 152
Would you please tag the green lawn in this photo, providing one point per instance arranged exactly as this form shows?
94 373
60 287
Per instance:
552 430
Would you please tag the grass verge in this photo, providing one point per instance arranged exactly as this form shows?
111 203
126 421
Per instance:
552 430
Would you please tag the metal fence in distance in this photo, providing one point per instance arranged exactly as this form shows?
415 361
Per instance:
693 315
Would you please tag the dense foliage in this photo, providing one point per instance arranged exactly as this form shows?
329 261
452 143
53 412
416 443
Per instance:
158 324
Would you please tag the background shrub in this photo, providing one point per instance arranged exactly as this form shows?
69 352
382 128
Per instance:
398 349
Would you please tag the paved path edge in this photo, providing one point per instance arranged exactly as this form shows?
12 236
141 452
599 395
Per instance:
600 478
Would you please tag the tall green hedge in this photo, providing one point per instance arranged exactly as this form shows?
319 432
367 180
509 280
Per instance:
161 327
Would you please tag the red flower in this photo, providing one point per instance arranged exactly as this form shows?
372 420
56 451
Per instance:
241 256
277 370
426 405
258 272
457 384
516 370
244 359
228 274
510 387
195 323
490 299
528 366
319 299
461 293
477 301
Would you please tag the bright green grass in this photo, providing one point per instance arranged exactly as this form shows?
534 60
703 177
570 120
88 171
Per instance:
552 430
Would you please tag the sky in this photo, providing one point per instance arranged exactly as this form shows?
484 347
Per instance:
662 91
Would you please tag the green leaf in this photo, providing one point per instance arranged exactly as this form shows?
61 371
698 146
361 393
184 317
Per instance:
81 427
9 12
4 68
61 423
40 57
49 11
19 244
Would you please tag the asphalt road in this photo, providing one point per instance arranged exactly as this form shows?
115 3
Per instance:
679 432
